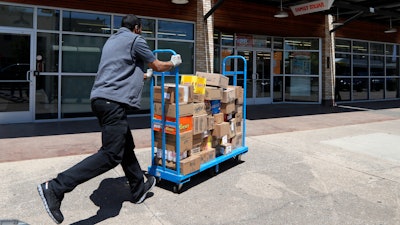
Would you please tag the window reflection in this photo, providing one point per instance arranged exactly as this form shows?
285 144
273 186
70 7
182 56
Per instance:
360 89
75 93
86 22
175 30
16 16
47 49
48 19
343 89
305 63
301 44
81 53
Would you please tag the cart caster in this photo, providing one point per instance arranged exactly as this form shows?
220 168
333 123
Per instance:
238 158
158 180
213 171
177 188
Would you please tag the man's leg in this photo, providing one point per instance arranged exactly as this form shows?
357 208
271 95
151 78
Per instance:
112 118
131 167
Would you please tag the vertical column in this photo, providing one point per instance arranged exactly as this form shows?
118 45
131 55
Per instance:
328 64
204 38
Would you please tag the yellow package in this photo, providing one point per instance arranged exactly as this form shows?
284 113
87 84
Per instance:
200 85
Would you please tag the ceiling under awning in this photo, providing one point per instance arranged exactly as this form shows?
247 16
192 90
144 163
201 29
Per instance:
375 11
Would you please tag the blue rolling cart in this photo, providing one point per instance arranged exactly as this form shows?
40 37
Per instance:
174 175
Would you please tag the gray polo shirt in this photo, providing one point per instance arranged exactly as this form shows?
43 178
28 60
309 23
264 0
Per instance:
120 74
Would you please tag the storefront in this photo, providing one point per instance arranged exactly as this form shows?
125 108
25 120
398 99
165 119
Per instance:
49 53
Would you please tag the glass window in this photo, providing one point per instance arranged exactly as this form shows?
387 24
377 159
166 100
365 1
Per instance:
225 52
278 89
342 89
301 44
16 16
360 65
342 63
278 63
86 22
360 47
227 39
392 88
175 30
301 89
305 63
377 49
392 66
185 49
148 26
377 88
262 41
360 89
48 19
81 54
46 99
47 52
75 96
377 65
392 50
278 43
342 45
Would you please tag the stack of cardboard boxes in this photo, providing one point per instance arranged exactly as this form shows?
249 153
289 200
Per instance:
210 120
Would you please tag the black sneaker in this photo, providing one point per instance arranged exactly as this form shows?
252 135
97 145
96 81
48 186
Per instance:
148 185
51 202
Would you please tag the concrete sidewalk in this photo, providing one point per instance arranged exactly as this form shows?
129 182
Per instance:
338 168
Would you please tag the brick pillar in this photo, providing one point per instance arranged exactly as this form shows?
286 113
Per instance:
328 64
204 38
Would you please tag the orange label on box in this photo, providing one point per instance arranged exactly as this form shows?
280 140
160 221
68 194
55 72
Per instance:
185 124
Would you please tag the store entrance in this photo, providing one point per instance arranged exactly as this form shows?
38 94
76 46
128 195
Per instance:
16 77
258 76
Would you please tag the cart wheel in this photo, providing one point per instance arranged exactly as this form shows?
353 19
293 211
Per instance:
177 188
158 180
238 158
213 171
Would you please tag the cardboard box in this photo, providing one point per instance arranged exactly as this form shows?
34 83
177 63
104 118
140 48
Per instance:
198 97
170 156
213 93
188 165
218 118
227 108
170 109
229 95
237 140
185 124
185 141
239 116
232 126
239 127
207 155
199 108
214 79
199 123
185 94
169 94
210 122
221 129
225 148
239 95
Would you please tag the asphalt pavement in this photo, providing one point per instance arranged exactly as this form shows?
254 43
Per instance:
306 164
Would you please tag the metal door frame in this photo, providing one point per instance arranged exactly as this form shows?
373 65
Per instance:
23 116
254 100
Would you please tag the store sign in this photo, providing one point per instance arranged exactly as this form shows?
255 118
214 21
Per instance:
311 7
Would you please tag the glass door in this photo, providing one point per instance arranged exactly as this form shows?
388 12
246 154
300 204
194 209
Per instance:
16 77
258 76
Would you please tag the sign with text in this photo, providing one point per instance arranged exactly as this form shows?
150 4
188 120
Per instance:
311 7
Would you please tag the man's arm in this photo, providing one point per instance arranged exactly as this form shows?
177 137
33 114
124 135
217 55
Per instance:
161 66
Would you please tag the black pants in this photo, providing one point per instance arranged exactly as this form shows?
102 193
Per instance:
117 148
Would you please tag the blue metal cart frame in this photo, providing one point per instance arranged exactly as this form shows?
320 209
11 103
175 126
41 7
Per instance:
175 176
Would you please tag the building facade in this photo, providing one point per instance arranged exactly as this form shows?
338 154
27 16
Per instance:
50 52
